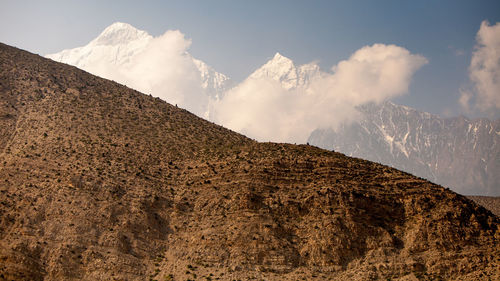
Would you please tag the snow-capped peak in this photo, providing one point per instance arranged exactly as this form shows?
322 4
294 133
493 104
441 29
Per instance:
280 59
213 82
115 48
115 45
279 68
119 33
283 70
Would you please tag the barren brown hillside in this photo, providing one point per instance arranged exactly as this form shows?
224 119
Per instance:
100 182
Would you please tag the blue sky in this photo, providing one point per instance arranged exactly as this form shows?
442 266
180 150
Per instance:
236 37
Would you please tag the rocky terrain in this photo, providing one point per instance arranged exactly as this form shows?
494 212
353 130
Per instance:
101 182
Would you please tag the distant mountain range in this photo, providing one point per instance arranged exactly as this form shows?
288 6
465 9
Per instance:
456 152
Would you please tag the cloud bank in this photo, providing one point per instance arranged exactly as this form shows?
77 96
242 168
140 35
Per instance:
263 109
484 72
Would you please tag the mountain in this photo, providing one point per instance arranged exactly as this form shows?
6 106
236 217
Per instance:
101 182
215 83
120 42
283 70
456 152
116 45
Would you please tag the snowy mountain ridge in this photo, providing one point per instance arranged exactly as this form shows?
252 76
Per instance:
459 153
121 41
120 33
214 82
116 44
283 70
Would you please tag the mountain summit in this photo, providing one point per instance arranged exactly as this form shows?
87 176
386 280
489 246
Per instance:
283 70
117 46
120 33
114 46
101 182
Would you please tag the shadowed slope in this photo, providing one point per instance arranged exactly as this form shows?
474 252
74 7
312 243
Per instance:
101 182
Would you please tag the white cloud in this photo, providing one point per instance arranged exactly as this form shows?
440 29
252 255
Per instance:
484 72
165 70
261 108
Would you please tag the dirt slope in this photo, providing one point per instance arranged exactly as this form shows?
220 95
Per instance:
100 182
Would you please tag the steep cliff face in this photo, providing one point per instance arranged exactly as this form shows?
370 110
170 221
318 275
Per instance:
457 152
101 182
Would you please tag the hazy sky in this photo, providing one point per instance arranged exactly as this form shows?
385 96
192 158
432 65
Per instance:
236 37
